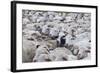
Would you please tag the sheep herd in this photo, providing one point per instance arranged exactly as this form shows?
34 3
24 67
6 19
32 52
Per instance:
55 36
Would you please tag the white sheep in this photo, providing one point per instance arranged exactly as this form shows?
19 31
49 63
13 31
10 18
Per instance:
54 32
87 17
25 21
28 50
42 58
51 18
31 32
61 54
30 26
41 49
82 53
34 18
57 17
45 29
41 19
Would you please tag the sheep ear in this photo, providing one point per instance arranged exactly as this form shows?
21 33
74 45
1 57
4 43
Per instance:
37 46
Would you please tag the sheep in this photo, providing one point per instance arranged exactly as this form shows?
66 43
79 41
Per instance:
51 13
31 32
32 35
75 50
84 35
30 26
28 50
41 19
86 17
52 44
33 18
85 44
82 54
45 30
68 40
58 17
62 41
61 54
68 19
41 49
42 58
25 21
54 32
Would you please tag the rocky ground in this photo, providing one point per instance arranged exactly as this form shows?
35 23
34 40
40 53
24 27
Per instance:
55 36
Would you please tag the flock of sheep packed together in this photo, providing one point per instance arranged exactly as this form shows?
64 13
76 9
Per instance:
55 36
